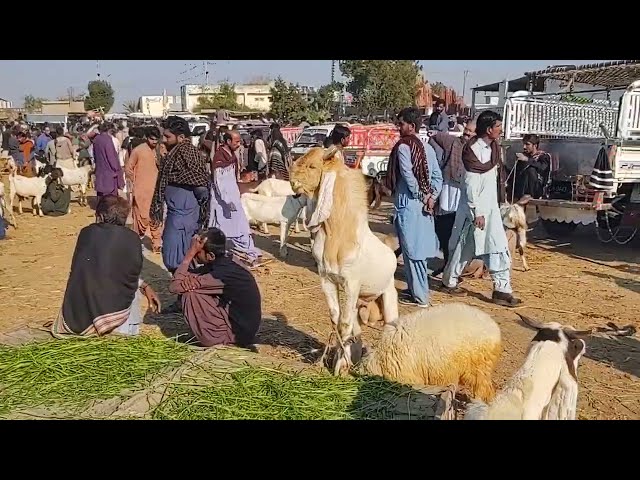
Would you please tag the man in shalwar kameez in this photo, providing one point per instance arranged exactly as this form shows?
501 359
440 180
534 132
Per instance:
415 178
141 169
478 231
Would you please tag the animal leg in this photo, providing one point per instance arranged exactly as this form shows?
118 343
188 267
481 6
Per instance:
524 262
348 329
390 304
296 227
37 201
333 301
264 228
284 235
20 205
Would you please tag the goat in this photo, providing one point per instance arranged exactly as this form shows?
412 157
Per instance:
24 187
546 386
281 210
375 192
447 344
348 255
274 187
514 219
77 178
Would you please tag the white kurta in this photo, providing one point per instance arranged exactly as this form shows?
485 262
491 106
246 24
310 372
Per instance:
479 198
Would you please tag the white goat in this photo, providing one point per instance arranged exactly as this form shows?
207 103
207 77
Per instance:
350 258
77 177
448 344
546 386
514 218
24 187
274 187
280 210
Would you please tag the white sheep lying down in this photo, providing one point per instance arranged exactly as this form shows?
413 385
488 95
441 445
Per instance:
274 187
546 386
284 211
451 344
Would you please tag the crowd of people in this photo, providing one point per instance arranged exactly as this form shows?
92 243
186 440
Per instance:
186 198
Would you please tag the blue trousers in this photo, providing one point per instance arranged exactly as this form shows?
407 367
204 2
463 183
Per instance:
417 279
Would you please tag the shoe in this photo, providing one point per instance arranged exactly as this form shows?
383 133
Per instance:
453 291
437 272
412 302
505 299
404 293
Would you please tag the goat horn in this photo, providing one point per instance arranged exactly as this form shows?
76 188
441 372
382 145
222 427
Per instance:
330 152
530 322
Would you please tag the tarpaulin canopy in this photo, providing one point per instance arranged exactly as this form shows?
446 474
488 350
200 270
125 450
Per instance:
614 74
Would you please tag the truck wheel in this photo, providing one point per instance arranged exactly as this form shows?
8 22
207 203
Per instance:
558 229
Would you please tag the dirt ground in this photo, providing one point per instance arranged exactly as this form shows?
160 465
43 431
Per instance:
579 282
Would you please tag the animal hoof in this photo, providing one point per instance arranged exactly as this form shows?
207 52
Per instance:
284 252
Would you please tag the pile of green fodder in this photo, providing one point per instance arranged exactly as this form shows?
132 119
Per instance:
260 393
71 373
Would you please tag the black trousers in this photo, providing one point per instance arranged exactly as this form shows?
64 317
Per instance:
444 226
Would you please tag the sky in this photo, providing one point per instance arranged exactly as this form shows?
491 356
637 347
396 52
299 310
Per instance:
132 79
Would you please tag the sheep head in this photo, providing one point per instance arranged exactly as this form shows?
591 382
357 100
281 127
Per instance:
306 172
570 339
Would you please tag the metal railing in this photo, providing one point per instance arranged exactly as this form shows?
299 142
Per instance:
553 118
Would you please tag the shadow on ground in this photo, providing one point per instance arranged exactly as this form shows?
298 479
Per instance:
627 283
621 353
276 331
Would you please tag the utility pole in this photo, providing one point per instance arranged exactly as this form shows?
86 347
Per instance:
464 82
333 70
97 69
206 73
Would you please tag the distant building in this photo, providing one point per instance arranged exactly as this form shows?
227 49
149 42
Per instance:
5 103
158 105
62 107
257 97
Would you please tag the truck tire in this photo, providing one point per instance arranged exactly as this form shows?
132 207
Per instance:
558 229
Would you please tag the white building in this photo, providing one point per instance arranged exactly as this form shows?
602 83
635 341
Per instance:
5 103
257 97
158 105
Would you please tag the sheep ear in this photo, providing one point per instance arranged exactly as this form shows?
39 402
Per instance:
325 200
529 322
576 334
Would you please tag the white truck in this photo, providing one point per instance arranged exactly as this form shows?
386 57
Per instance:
573 128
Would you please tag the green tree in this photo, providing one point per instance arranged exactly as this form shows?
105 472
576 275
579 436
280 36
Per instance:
381 85
225 98
101 96
287 103
33 104
130 106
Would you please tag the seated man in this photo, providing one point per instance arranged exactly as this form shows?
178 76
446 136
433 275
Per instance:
55 201
104 287
221 303
532 169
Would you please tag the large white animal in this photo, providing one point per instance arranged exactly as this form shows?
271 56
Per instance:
283 211
350 258
25 187
448 344
546 386
274 187
78 177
